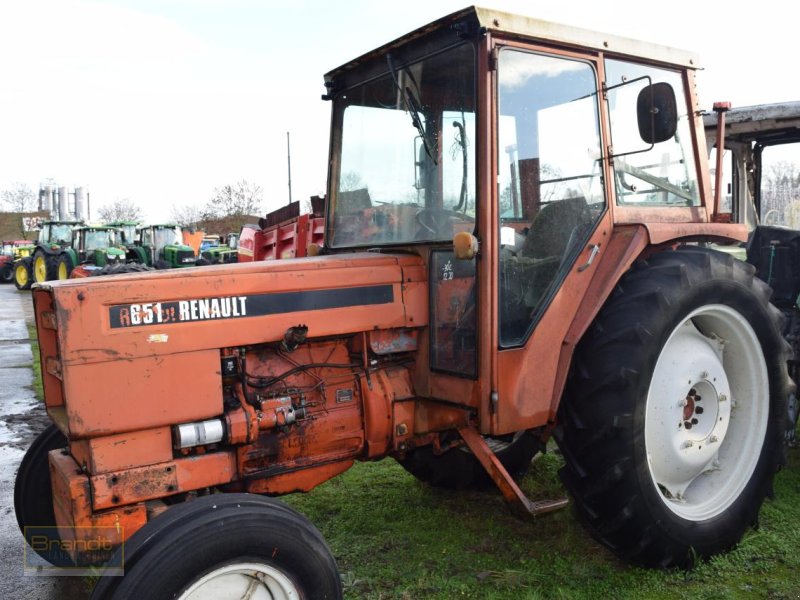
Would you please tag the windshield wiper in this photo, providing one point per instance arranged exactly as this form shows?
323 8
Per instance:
414 108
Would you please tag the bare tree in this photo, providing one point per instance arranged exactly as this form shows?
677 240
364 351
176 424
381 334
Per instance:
188 215
242 198
19 198
780 191
120 210
351 181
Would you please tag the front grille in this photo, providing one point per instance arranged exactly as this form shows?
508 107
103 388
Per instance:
185 257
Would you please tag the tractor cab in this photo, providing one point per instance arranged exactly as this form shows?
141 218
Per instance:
127 232
99 245
162 247
57 234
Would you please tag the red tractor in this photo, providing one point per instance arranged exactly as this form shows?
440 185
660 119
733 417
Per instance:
495 272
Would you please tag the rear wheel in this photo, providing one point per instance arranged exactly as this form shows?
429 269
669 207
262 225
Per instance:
673 424
458 468
225 546
33 496
7 273
61 266
40 268
22 273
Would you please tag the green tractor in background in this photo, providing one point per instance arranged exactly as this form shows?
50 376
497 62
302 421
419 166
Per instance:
128 232
93 247
162 247
13 250
54 237
214 254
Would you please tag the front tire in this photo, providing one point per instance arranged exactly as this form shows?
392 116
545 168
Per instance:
23 279
7 273
223 546
673 424
33 495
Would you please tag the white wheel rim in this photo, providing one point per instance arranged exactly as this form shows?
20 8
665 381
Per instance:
243 581
701 460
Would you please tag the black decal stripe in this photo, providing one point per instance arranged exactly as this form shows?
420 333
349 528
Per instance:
270 304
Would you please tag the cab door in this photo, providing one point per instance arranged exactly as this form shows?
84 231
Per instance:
551 220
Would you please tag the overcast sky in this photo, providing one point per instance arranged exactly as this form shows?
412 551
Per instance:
161 101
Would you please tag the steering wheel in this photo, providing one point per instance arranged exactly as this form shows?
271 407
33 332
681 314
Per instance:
432 221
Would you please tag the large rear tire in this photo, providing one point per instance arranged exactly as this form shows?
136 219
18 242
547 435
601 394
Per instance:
673 424
7 273
225 546
458 469
33 495
22 273
61 266
41 268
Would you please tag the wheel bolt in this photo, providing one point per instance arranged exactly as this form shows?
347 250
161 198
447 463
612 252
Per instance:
722 397
694 421
698 410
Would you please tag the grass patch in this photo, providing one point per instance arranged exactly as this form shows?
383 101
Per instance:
36 365
396 538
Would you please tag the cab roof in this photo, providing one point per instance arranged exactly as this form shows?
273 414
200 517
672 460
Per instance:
474 19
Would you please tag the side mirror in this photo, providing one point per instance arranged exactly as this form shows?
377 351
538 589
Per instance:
657 113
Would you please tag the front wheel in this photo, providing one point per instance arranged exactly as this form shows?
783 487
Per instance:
22 273
225 546
7 273
673 423
33 496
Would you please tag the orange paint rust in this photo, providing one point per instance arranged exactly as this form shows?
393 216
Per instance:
94 341
73 510
123 451
148 392
138 484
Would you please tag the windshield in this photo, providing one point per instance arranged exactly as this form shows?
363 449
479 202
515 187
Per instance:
59 234
661 174
8 249
128 234
406 145
99 239
166 236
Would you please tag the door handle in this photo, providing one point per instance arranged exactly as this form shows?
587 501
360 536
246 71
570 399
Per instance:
595 251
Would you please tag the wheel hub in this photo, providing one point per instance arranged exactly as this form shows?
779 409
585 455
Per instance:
687 434
700 446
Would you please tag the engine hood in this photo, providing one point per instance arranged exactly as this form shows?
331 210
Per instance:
167 312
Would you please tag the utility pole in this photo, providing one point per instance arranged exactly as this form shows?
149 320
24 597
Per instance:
289 158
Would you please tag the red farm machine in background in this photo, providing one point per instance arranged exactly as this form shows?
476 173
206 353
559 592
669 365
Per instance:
284 233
